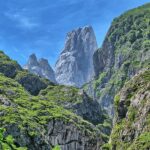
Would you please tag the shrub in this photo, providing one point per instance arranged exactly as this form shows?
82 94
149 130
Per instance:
7 143
57 147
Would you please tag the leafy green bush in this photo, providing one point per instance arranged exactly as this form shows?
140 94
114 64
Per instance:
107 147
57 147
116 100
142 142
7 143
99 79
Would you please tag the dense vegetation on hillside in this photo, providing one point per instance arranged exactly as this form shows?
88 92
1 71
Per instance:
125 51
7 143
132 120
27 117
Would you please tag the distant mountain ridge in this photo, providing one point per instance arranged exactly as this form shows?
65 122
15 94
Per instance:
40 67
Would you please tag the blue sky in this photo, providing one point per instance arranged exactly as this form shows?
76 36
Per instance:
40 26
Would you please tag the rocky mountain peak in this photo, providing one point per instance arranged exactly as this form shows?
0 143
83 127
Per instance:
75 64
43 62
40 67
33 60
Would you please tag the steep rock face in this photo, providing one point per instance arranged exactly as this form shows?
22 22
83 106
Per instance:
40 68
125 51
56 132
77 101
90 110
132 122
75 64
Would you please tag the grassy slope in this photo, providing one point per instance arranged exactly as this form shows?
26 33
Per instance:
32 83
30 114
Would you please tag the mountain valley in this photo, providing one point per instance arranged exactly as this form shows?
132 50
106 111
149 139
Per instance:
94 98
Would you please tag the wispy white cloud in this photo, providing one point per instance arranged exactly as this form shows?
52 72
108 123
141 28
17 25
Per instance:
22 20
